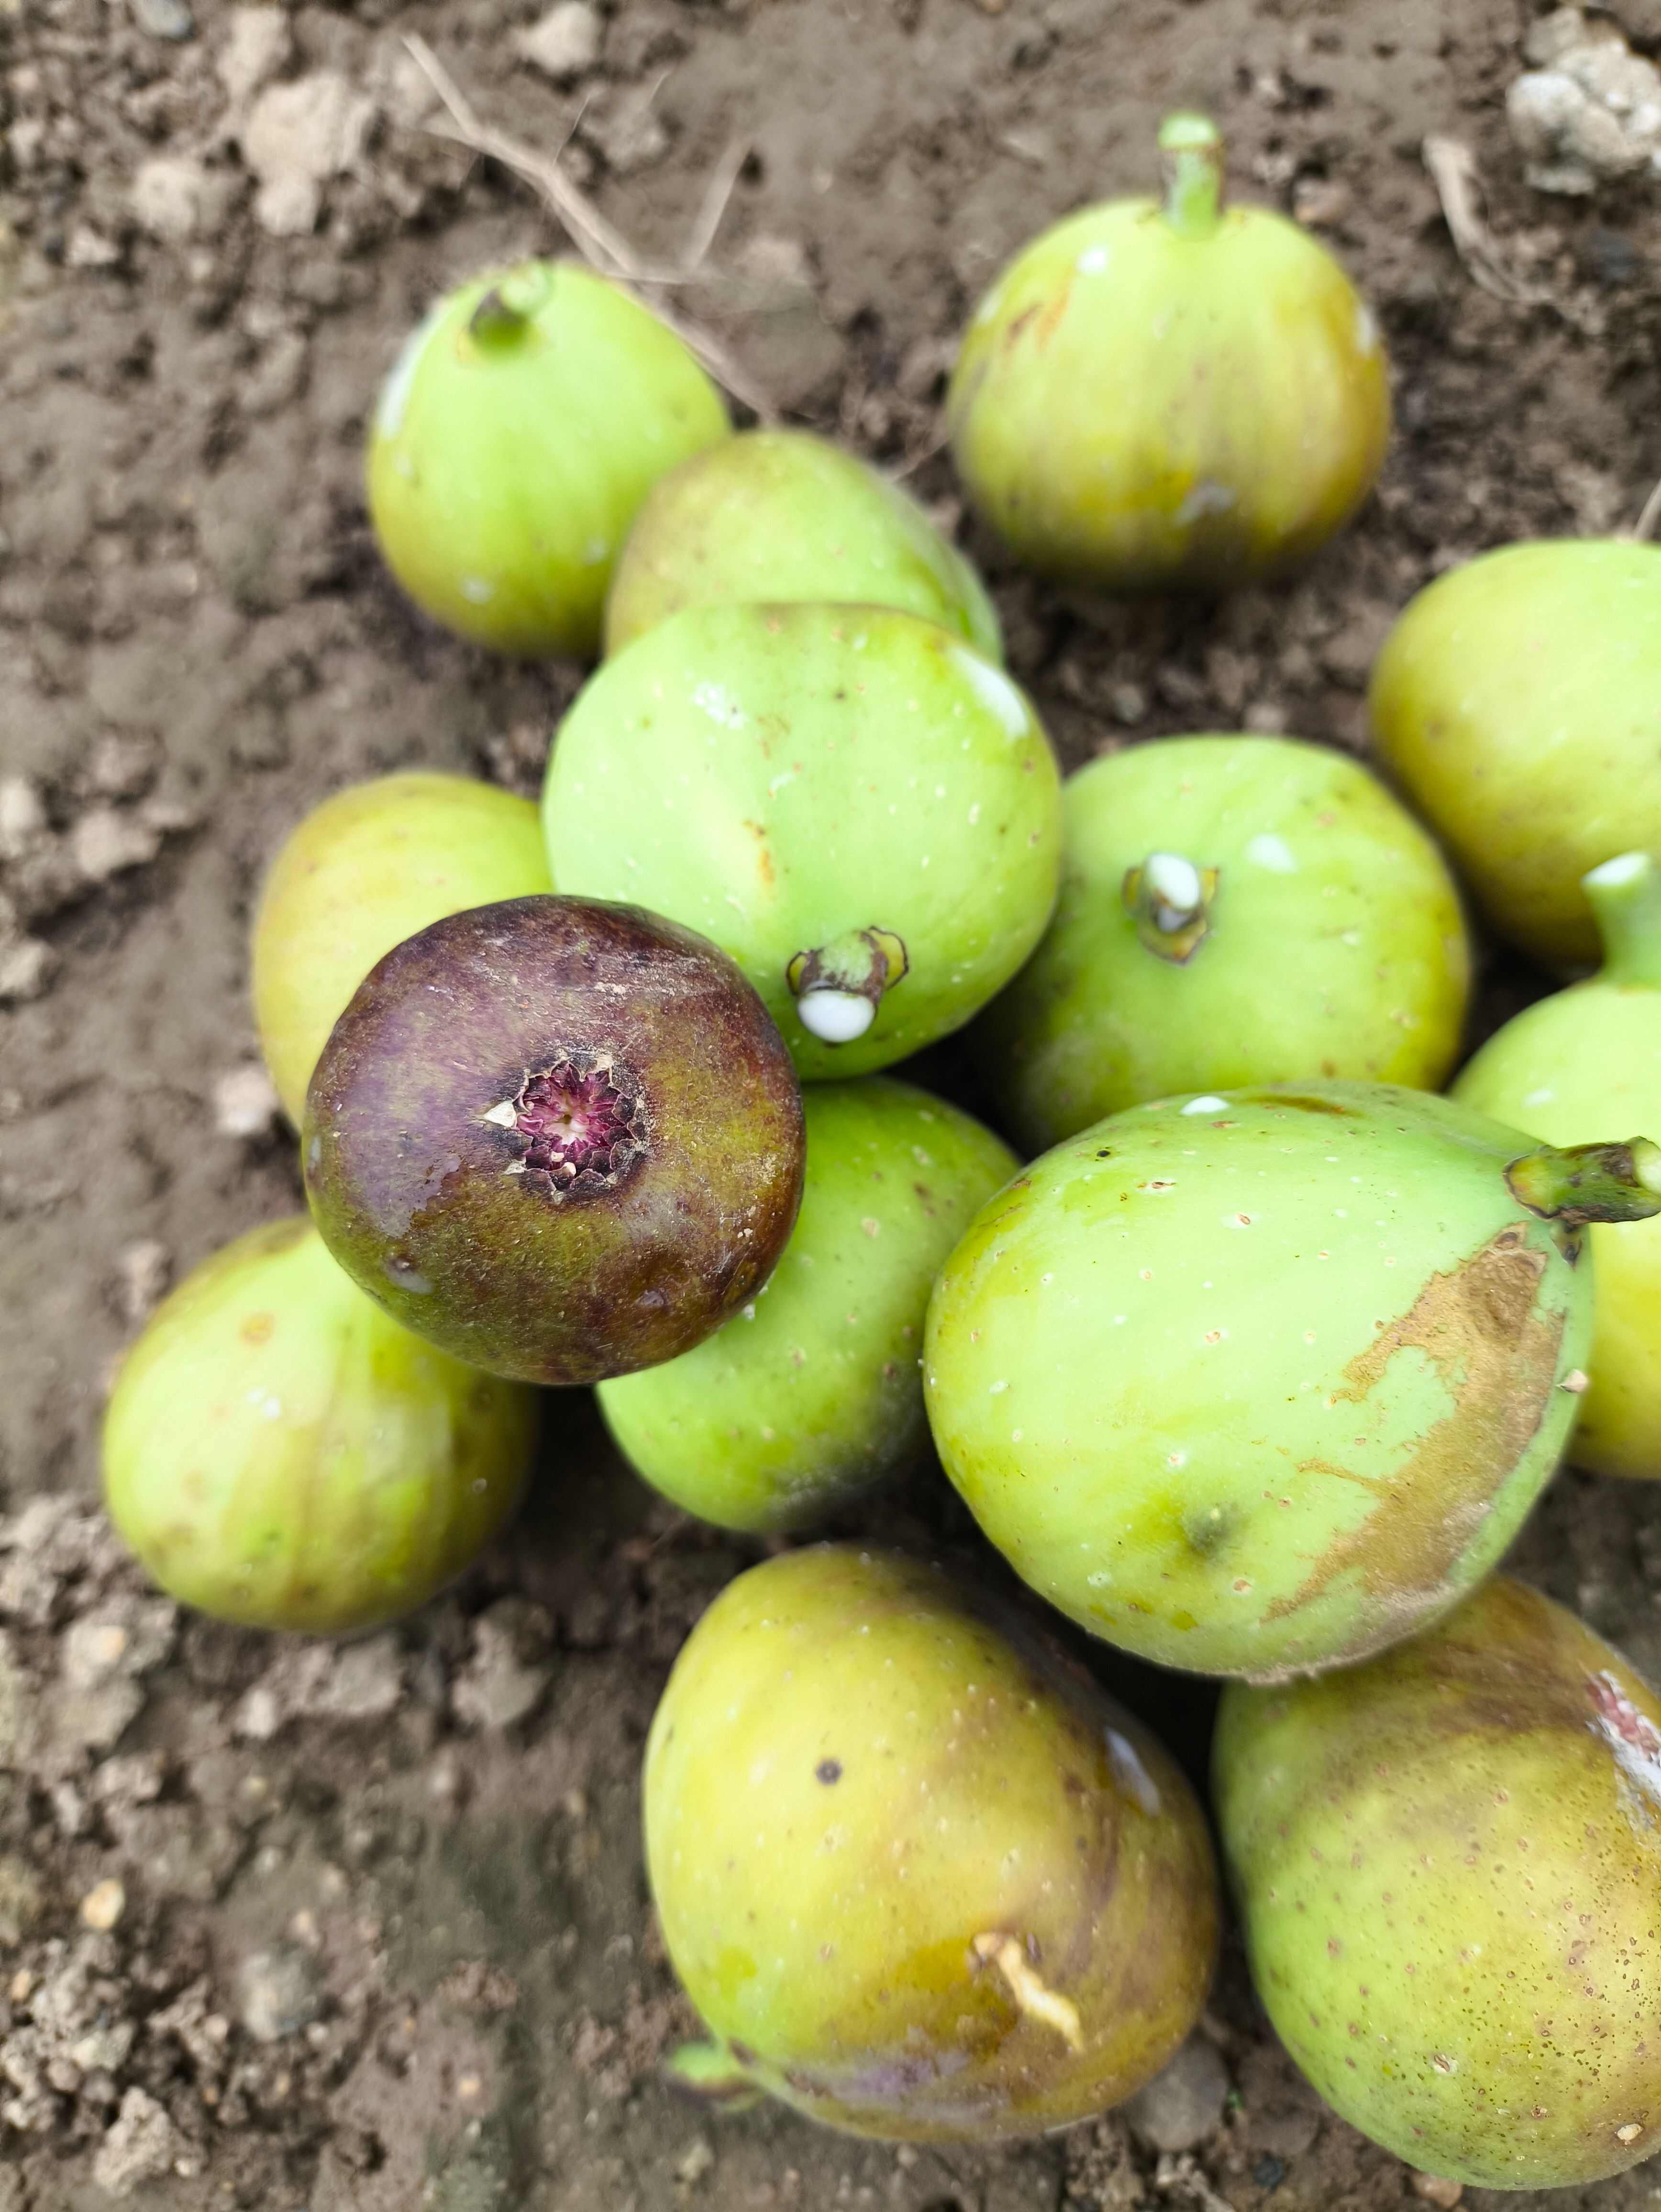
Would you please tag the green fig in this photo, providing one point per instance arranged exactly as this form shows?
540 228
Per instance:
781 514
367 868
1185 397
558 1138
1517 703
851 802
1234 910
1259 1383
513 447
280 1454
813 1393
1447 1863
922 1877
1583 1060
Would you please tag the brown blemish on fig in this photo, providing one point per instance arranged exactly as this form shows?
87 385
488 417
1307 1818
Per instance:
1298 1103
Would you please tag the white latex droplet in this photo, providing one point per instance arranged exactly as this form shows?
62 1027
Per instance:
835 1017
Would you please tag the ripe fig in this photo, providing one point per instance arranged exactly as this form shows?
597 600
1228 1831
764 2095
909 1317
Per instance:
1187 396
559 1138
363 871
1517 703
1572 1064
920 1877
851 801
514 443
1234 910
781 514
1259 1383
280 1454
812 1393
1447 1863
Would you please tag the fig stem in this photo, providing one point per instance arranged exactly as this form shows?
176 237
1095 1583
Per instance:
708 2072
838 987
1168 899
505 312
1649 517
1590 1182
1191 147
1625 897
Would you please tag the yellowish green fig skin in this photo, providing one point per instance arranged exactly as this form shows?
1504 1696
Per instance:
280 1454
855 805
1326 939
781 514
367 868
1259 1383
922 1880
514 444
813 1392
1518 704
1447 1863
1589 1059
1166 398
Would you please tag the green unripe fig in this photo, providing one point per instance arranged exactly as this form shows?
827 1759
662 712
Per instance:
1259 1383
1447 1864
367 868
1184 396
1590 1059
851 802
781 514
514 443
813 1392
1233 911
280 1454
1517 703
922 1877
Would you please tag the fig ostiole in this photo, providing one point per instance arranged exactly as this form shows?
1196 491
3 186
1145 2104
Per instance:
851 802
812 1393
920 1877
559 1138
1561 1069
367 868
1259 1383
1189 396
781 514
279 1453
1446 1864
515 442
1234 910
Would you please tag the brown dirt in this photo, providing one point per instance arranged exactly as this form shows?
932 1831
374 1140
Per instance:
418 1858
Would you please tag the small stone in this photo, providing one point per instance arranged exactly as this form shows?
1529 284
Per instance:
121 766
1181 2107
695 2161
366 1682
504 1682
163 19
1320 203
278 1992
22 1898
28 965
102 1907
296 137
22 817
107 842
565 43
1431 2189
141 2146
169 193
245 1102
142 1271
627 132
257 45
89 249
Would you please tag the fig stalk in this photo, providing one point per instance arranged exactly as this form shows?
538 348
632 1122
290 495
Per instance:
1626 901
503 315
1168 899
1191 153
1578 1184
838 987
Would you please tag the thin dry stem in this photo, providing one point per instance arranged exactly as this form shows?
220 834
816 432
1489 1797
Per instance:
717 193
1452 166
1650 518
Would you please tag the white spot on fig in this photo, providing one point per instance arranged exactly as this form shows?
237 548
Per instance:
478 590
1093 261
1273 853
835 1017
1577 1383
994 691
1625 869
1208 497
719 704
504 1113
1207 1105
1540 1099
1131 1775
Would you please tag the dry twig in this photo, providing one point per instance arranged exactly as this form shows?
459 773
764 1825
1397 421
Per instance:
1649 519
1452 167
1181 2177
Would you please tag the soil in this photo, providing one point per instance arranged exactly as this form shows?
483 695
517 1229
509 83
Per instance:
305 1929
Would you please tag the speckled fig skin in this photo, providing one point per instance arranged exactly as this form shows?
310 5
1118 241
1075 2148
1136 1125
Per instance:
1331 941
1260 1383
1518 704
512 447
367 868
434 1158
921 1879
813 1391
1157 398
280 1454
781 514
812 785
1448 1863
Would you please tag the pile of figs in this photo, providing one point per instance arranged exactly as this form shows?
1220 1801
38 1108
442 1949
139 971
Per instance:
1249 1358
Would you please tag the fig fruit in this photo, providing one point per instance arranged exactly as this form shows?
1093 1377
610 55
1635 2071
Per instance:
280 1454
781 514
560 1139
1517 703
514 443
363 871
1233 911
1582 1061
812 1393
1185 397
1447 1863
1259 1383
852 803
921 1879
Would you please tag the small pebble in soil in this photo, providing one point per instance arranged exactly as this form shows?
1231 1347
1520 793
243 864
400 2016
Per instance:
1268 2173
1431 2189
164 19
245 1102
278 1992
1180 2107
103 1906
